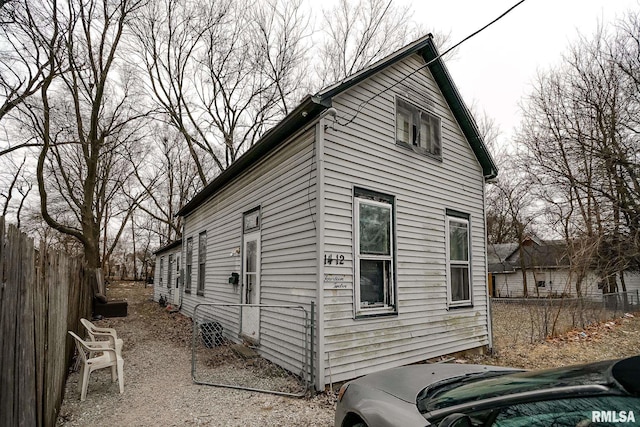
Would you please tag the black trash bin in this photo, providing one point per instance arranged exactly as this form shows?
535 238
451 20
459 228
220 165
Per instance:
211 334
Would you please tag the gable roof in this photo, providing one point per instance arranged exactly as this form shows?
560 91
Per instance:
547 253
505 257
497 256
313 105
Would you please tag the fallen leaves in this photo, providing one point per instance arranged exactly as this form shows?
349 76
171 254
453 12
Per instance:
609 339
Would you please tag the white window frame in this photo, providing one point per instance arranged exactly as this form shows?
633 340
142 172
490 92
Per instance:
189 265
202 262
466 220
417 115
390 294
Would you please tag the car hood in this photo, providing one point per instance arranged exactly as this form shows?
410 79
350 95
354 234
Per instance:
406 382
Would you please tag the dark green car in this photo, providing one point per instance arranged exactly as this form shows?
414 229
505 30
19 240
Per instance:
444 395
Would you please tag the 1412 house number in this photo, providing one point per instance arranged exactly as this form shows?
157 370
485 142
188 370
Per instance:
332 259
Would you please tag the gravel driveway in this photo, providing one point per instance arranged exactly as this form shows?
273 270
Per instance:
158 388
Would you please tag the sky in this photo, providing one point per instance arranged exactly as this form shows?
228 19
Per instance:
495 69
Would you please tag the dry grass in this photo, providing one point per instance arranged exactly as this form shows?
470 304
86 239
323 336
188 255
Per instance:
518 322
522 336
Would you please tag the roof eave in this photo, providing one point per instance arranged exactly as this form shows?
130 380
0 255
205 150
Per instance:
304 113
410 49
426 47
312 106
169 246
460 111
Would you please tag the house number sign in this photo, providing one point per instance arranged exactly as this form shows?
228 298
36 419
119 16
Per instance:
333 259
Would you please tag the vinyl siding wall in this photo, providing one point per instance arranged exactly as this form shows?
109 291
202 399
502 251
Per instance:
364 154
283 185
511 285
161 289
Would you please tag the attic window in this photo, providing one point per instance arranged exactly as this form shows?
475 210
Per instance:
417 129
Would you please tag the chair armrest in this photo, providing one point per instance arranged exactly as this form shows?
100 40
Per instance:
106 332
103 346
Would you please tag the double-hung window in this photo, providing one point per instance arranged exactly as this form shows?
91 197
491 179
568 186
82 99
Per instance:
417 129
374 252
187 283
458 259
161 271
202 258
170 271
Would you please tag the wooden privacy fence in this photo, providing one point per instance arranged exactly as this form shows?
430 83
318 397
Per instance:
43 294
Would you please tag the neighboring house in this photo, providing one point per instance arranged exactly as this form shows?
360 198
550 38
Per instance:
367 199
167 279
548 271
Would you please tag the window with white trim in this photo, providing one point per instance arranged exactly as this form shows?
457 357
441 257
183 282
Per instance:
187 283
417 129
170 271
161 271
458 260
374 253
202 258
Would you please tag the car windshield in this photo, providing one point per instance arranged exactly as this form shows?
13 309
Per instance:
601 411
466 389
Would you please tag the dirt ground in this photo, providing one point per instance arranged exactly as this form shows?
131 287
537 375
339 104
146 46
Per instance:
517 333
159 390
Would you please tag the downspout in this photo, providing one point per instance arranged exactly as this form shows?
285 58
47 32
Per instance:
320 211
486 269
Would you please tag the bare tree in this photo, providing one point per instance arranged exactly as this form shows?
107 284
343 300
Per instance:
84 120
581 135
507 204
18 182
28 34
359 33
221 73
169 180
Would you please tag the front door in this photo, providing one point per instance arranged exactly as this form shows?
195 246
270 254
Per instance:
251 286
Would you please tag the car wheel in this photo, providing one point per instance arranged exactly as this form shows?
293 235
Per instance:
353 420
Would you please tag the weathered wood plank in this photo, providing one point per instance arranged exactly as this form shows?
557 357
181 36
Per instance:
40 329
42 294
8 397
25 362
56 363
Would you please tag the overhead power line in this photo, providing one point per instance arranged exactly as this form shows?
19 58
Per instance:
372 97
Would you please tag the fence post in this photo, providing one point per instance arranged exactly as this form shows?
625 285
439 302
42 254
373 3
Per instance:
312 335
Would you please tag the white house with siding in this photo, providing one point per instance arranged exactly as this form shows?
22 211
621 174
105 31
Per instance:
549 272
367 200
167 275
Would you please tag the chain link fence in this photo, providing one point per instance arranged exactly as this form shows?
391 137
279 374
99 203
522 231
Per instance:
527 320
255 347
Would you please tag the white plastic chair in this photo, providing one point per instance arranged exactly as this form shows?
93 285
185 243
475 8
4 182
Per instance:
95 332
110 358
